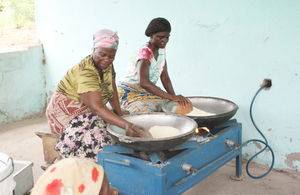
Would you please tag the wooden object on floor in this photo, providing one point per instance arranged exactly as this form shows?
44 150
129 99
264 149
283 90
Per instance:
49 140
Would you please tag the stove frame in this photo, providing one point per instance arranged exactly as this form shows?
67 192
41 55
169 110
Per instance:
131 175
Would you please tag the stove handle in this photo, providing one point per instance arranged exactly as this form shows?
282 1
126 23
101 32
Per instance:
123 163
188 168
231 143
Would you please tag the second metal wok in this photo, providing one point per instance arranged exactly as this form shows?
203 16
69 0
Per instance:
185 125
223 110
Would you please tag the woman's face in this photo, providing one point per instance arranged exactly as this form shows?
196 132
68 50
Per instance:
160 39
103 56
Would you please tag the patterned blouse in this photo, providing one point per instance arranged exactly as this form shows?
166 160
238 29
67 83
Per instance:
155 69
84 77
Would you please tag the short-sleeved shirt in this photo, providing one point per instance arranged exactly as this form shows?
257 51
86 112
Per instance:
155 69
84 77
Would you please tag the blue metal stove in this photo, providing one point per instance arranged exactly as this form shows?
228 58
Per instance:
173 171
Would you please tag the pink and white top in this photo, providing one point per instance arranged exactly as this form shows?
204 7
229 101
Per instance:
155 69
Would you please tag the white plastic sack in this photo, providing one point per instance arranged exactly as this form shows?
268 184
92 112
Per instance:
7 183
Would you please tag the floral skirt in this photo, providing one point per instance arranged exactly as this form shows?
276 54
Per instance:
83 137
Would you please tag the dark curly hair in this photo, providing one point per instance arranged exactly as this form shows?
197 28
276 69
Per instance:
158 25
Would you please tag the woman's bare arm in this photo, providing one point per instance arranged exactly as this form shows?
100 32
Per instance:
94 101
143 76
166 81
114 102
143 72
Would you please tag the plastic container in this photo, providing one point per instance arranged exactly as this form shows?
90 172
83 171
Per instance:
23 177
7 183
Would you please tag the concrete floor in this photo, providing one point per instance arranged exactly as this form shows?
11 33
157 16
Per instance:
18 140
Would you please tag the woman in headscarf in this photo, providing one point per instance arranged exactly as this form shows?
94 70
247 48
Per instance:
77 110
138 92
73 176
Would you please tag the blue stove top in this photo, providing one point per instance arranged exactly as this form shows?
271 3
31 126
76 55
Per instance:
176 170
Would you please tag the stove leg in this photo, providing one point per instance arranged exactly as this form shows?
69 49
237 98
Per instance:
238 165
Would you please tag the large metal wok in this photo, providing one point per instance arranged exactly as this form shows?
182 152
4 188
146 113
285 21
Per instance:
223 110
185 125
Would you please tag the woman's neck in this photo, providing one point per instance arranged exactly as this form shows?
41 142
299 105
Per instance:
100 72
154 50
153 47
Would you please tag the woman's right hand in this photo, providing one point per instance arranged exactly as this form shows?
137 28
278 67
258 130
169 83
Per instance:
130 132
138 131
183 101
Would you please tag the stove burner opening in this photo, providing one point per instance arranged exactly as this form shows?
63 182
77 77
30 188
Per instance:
210 131
203 131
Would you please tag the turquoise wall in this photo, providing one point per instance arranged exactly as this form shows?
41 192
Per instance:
22 84
217 48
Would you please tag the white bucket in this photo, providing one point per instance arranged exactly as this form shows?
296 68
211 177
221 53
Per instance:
7 183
